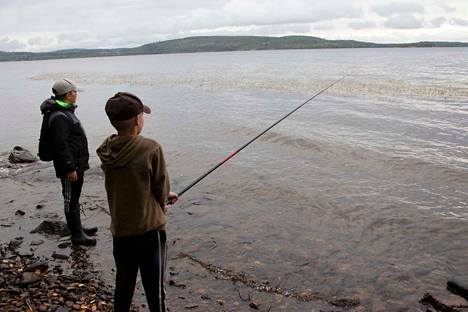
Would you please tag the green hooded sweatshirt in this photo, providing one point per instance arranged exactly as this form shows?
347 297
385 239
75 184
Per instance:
137 184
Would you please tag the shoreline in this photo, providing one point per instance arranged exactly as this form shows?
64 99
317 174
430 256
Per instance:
203 44
31 195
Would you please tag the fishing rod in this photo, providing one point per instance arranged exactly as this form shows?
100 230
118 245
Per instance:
232 154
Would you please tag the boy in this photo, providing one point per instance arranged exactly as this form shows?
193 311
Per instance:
137 186
69 148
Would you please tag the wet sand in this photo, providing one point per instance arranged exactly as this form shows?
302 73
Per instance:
192 283
194 279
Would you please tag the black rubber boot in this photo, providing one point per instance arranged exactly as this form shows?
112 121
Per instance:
78 236
90 231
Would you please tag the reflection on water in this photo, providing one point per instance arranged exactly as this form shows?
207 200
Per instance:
362 192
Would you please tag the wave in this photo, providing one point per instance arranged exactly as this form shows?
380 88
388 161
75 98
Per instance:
382 163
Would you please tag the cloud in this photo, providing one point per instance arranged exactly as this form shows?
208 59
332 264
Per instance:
397 8
361 24
438 21
405 21
459 22
7 44
41 41
448 8
324 26
55 25
248 13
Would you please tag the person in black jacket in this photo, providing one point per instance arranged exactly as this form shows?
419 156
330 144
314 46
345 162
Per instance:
69 147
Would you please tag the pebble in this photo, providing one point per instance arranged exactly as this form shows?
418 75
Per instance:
64 245
36 242
52 227
51 289
59 256
191 306
14 244
28 278
27 254
41 266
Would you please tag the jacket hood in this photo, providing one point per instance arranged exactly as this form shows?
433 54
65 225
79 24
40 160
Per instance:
117 151
50 105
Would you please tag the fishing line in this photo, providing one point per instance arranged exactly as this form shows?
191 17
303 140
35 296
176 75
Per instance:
232 154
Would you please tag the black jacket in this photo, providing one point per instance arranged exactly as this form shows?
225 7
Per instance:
69 143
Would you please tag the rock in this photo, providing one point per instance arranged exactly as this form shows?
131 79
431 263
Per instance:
51 215
25 254
27 278
191 306
20 213
253 305
36 242
345 302
64 245
59 256
39 206
52 228
58 269
38 266
32 286
20 155
205 297
173 283
15 244
87 278
13 291
244 295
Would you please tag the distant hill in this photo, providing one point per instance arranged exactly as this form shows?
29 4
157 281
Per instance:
218 43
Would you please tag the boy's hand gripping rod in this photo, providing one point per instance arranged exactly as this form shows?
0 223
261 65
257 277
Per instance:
232 154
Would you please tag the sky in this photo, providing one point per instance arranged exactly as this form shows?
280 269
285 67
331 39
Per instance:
45 25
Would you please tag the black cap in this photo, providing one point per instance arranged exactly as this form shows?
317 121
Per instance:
124 106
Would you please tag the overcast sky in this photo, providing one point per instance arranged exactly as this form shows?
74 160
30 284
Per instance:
45 25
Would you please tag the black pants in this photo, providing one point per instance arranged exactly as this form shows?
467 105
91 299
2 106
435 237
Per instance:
71 192
146 252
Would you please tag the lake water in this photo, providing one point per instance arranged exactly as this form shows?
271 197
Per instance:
362 192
